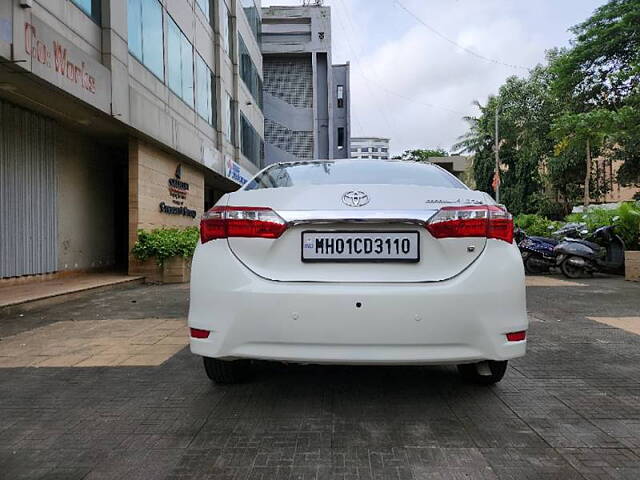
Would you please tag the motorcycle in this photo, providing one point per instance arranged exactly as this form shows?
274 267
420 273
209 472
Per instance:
538 253
601 252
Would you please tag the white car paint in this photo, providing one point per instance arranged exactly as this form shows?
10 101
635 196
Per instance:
258 299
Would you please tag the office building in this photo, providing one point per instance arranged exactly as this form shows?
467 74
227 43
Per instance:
306 97
370 147
117 116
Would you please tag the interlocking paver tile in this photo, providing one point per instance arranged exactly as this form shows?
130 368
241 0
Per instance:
601 464
93 343
530 464
569 432
630 324
570 409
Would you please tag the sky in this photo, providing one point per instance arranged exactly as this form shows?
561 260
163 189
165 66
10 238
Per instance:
412 85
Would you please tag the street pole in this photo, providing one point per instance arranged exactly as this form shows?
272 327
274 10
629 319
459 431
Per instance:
497 158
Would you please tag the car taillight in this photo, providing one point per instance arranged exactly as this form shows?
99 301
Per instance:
253 222
488 221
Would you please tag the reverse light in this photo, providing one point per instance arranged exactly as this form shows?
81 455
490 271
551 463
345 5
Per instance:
251 222
197 333
489 221
517 336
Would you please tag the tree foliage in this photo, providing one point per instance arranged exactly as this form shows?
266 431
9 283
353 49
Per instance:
421 155
584 102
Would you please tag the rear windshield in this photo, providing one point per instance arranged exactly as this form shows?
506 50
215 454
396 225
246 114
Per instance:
350 172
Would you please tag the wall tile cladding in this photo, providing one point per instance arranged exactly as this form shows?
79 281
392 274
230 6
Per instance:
289 79
297 143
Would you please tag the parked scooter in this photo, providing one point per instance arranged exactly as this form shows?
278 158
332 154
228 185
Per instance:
601 252
538 253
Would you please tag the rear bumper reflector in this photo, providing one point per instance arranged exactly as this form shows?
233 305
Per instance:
197 333
517 336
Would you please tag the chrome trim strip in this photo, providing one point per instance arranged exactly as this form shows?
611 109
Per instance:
318 217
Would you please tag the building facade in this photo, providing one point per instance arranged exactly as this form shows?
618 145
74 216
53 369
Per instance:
306 97
458 165
117 116
370 147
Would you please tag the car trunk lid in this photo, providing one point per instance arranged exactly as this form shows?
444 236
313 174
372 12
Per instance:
387 208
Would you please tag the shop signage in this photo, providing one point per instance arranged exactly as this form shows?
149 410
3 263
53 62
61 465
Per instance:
178 191
58 61
236 173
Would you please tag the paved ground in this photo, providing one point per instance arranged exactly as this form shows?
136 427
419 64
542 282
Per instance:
570 409
22 292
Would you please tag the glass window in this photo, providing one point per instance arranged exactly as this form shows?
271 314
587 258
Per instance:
249 73
365 149
134 12
252 12
374 149
230 36
173 53
90 7
226 29
145 34
205 7
233 108
227 108
251 144
187 71
152 47
204 90
180 62
340 138
340 96
354 172
384 149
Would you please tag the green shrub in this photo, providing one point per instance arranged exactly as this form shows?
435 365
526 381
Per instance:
626 219
536 225
164 243
549 208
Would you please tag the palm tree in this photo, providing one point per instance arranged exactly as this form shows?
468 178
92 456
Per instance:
477 137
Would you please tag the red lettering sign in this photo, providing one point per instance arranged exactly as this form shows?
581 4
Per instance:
62 64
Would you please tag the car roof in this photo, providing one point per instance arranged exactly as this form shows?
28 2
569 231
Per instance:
350 160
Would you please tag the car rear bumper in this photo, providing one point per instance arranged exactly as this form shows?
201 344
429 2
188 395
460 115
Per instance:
463 319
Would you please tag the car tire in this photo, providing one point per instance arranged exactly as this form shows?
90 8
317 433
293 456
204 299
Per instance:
226 371
480 374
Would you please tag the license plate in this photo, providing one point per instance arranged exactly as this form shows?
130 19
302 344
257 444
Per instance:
360 246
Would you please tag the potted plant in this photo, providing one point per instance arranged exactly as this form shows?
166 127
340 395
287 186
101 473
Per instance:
164 254
629 229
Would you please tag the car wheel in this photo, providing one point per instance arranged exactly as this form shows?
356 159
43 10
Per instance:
570 271
483 373
226 371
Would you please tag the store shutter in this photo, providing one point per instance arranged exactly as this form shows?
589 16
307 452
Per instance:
27 193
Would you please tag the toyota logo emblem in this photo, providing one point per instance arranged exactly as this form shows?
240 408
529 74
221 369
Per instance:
355 199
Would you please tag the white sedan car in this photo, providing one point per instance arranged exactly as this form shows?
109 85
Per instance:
367 262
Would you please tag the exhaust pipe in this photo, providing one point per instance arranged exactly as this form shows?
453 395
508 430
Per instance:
577 262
